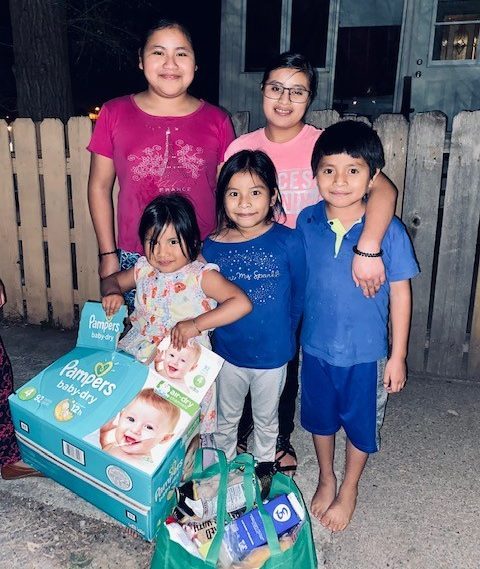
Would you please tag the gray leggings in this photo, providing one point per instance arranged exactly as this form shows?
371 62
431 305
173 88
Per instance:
266 386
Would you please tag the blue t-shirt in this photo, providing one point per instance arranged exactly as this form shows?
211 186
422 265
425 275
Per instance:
340 325
271 270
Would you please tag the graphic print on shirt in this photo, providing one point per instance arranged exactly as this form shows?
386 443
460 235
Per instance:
298 189
252 265
169 167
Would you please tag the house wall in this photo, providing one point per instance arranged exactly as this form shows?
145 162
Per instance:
445 86
372 13
240 91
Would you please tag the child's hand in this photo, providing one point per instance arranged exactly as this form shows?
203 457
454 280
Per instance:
111 303
395 375
182 332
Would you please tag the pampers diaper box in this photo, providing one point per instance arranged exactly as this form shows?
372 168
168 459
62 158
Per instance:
111 429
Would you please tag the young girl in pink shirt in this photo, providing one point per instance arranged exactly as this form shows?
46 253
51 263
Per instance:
155 142
288 87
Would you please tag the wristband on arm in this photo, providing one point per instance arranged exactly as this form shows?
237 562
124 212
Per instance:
100 255
365 254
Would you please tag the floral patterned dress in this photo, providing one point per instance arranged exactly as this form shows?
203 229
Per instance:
162 300
9 452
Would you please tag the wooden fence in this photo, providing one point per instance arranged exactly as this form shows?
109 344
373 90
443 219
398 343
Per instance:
48 258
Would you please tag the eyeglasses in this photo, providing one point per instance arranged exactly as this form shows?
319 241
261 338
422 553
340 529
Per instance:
295 94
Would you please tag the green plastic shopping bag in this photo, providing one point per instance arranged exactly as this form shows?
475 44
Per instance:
302 554
171 555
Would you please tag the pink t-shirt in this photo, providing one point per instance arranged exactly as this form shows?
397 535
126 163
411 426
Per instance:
155 155
292 162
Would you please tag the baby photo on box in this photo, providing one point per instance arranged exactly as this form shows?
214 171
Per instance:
142 433
191 369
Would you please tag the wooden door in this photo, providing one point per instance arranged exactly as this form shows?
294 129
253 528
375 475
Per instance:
440 54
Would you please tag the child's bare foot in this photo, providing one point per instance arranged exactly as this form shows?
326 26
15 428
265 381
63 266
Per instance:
340 512
324 496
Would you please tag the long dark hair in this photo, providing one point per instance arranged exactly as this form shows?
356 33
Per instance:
253 162
176 210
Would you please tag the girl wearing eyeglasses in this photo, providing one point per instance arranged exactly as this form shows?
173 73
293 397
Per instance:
289 86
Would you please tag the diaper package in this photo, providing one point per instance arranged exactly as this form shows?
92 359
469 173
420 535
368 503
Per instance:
119 433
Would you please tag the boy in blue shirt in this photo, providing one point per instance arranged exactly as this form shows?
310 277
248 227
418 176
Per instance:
346 374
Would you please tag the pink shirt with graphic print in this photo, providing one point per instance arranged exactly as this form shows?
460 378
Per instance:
292 162
156 155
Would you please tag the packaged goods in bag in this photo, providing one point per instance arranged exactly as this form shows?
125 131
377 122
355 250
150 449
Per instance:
204 531
247 533
276 533
198 500
179 535
258 556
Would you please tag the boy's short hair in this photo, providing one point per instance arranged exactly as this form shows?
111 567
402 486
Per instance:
350 137
171 411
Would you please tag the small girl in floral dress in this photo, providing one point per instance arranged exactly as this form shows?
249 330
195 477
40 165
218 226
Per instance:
176 294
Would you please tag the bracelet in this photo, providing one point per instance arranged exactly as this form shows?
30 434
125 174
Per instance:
364 254
100 255
196 327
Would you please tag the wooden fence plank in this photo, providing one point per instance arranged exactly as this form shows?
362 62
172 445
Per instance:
9 257
31 220
393 132
58 227
457 248
322 119
355 117
420 215
79 132
241 121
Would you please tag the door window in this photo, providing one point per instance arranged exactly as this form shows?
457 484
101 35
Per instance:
309 29
365 69
457 28
273 26
262 37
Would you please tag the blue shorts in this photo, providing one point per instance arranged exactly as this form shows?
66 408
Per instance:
350 397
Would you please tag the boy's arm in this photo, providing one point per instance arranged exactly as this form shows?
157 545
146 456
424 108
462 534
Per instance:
369 272
400 311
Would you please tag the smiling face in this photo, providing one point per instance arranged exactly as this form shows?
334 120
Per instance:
248 201
141 426
178 363
168 62
166 253
282 113
343 181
